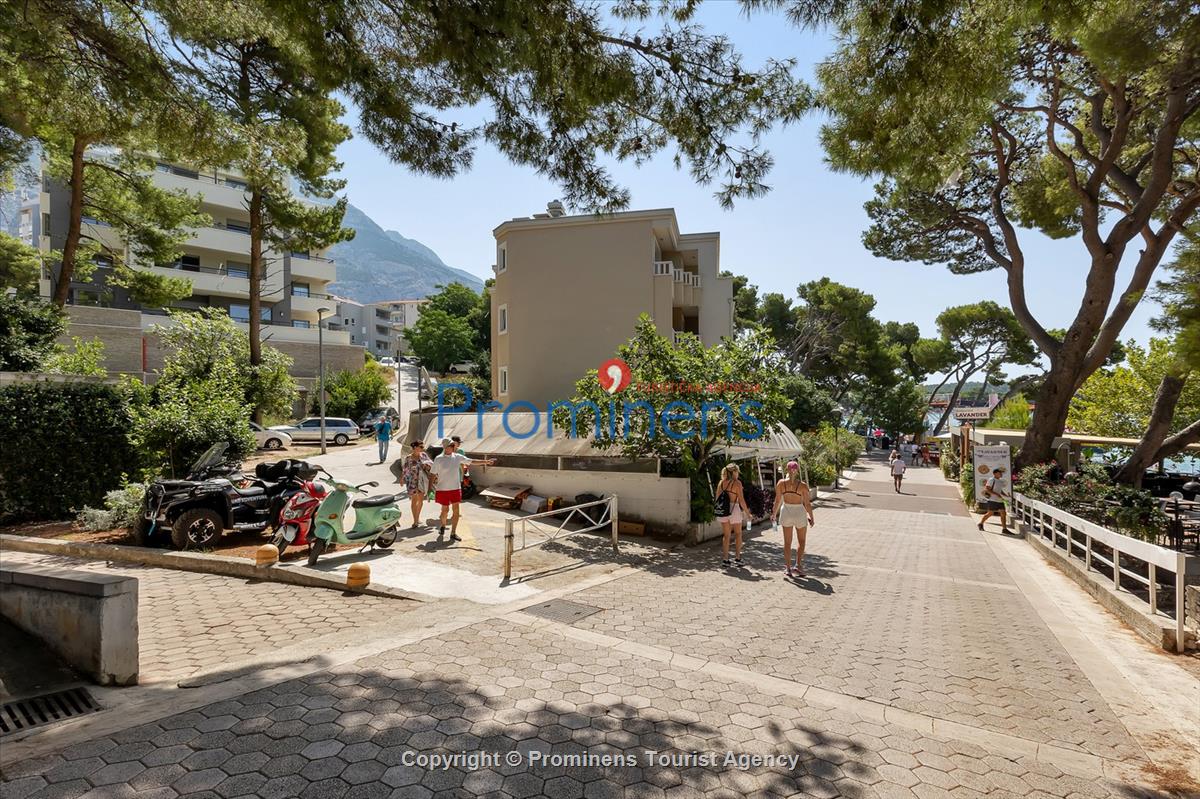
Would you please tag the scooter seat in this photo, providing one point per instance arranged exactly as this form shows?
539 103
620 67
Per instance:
374 502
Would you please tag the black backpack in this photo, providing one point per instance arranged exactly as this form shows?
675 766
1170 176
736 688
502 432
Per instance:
721 506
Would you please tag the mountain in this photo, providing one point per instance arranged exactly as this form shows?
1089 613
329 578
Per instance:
380 264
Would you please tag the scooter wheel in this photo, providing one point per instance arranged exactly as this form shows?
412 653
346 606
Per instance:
280 541
385 540
315 548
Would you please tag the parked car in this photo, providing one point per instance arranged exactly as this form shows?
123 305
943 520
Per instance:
270 439
338 430
366 425
387 360
410 359
462 368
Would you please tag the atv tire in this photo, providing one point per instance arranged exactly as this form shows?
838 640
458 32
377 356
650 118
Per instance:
315 548
141 532
198 528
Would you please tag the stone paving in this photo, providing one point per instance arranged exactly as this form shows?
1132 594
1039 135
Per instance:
908 665
189 623
496 687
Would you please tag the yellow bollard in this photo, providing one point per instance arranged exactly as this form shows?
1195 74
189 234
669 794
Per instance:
358 576
266 555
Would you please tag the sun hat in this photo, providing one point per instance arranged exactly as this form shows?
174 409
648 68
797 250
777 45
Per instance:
446 442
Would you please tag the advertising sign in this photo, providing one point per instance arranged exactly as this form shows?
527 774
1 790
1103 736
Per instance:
986 459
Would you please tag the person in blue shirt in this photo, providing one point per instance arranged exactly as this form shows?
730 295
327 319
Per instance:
383 434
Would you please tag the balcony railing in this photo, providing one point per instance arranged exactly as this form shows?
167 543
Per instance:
663 267
687 278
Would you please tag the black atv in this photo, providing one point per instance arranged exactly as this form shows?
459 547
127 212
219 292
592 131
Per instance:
193 512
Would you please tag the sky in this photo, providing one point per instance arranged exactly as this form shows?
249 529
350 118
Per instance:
809 226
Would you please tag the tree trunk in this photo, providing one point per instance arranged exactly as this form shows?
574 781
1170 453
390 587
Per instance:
1166 398
1176 443
256 272
62 291
1049 416
945 417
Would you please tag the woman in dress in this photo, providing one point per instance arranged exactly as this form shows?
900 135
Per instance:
417 474
793 510
731 505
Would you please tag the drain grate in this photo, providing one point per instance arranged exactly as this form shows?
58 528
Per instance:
562 610
24 714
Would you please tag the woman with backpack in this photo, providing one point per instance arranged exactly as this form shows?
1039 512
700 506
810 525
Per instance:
731 511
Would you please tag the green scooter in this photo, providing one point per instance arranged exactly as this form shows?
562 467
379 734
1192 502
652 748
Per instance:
376 520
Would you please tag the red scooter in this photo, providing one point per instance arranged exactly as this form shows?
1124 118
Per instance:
296 518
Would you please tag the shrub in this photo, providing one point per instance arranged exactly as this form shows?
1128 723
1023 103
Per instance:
966 481
86 358
824 450
28 328
174 424
1090 493
122 508
481 391
950 464
354 394
67 446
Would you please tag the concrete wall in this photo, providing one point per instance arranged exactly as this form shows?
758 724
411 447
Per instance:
1191 605
663 503
90 620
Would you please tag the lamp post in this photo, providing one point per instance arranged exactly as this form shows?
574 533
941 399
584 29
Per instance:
321 368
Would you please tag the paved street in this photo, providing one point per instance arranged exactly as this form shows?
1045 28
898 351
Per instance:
921 658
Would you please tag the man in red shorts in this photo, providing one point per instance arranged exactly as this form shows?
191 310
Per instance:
448 470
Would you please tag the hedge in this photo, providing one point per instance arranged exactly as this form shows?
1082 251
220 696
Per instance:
65 446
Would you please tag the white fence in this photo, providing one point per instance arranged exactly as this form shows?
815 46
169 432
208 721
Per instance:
1077 538
593 515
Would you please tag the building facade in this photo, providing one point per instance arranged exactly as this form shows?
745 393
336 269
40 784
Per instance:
384 324
569 290
216 259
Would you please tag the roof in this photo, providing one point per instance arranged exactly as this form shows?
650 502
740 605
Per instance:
485 433
521 222
390 302
1075 438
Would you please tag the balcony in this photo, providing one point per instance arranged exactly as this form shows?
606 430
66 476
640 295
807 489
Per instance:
208 280
221 192
270 332
221 239
313 268
305 306
664 268
687 289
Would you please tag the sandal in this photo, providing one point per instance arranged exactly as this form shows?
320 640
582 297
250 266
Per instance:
788 569
725 563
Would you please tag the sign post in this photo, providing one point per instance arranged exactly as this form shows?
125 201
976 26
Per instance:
985 461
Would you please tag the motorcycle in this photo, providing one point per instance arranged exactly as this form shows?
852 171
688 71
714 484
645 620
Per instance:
376 520
296 516
216 496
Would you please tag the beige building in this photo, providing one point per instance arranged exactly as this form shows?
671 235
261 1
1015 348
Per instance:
216 261
569 290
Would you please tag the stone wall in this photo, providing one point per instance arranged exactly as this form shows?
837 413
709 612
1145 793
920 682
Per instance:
1191 606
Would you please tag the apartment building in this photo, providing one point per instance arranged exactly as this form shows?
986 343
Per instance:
216 259
569 290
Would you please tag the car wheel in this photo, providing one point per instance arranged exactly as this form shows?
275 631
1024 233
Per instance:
273 443
197 528
315 547
340 439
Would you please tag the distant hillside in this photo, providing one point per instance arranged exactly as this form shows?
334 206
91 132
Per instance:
381 264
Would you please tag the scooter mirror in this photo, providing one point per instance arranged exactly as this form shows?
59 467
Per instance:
372 484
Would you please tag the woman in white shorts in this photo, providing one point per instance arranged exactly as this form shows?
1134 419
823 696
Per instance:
731 499
793 509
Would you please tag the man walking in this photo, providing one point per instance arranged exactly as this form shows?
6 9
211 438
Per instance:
993 500
447 472
898 467
383 435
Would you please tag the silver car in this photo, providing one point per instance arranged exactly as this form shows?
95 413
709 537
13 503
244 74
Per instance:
337 430
270 439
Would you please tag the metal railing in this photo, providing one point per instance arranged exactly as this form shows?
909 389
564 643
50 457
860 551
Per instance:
1077 539
548 532
663 267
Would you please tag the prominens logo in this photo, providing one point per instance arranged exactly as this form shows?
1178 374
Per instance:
614 375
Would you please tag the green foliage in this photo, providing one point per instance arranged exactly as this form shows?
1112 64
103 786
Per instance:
122 508
1091 494
732 372
1118 402
1012 414
440 339
966 481
20 264
824 452
73 447
1180 297
479 386
455 299
28 329
811 405
86 358
208 342
898 409
354 394
949 462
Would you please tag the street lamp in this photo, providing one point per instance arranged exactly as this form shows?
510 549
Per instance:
321 368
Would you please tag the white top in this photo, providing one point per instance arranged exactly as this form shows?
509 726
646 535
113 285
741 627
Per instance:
898 466
448 470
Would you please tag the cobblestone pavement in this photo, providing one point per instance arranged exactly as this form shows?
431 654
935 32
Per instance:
497 687
909 664
190 623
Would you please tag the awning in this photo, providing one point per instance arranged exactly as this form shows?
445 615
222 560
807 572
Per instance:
777 444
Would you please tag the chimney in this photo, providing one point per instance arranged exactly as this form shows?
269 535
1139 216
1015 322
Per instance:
555 208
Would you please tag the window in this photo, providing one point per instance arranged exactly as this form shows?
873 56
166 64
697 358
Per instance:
237 269
301 323
235 184
237 225
240 313
86 297
502 319
183 172
161 167
103 261
503 381
189 263
502 259
300 290
300 254
264 313
311 423
45 224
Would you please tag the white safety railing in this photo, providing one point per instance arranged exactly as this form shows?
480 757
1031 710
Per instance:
605 515
1077 538
663 267
680 276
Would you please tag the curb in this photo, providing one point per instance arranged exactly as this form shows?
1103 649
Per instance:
192 562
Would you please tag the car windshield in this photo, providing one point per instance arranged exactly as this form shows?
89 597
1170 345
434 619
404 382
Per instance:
212 456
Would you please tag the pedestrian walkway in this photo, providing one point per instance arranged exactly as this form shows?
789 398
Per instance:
915 661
